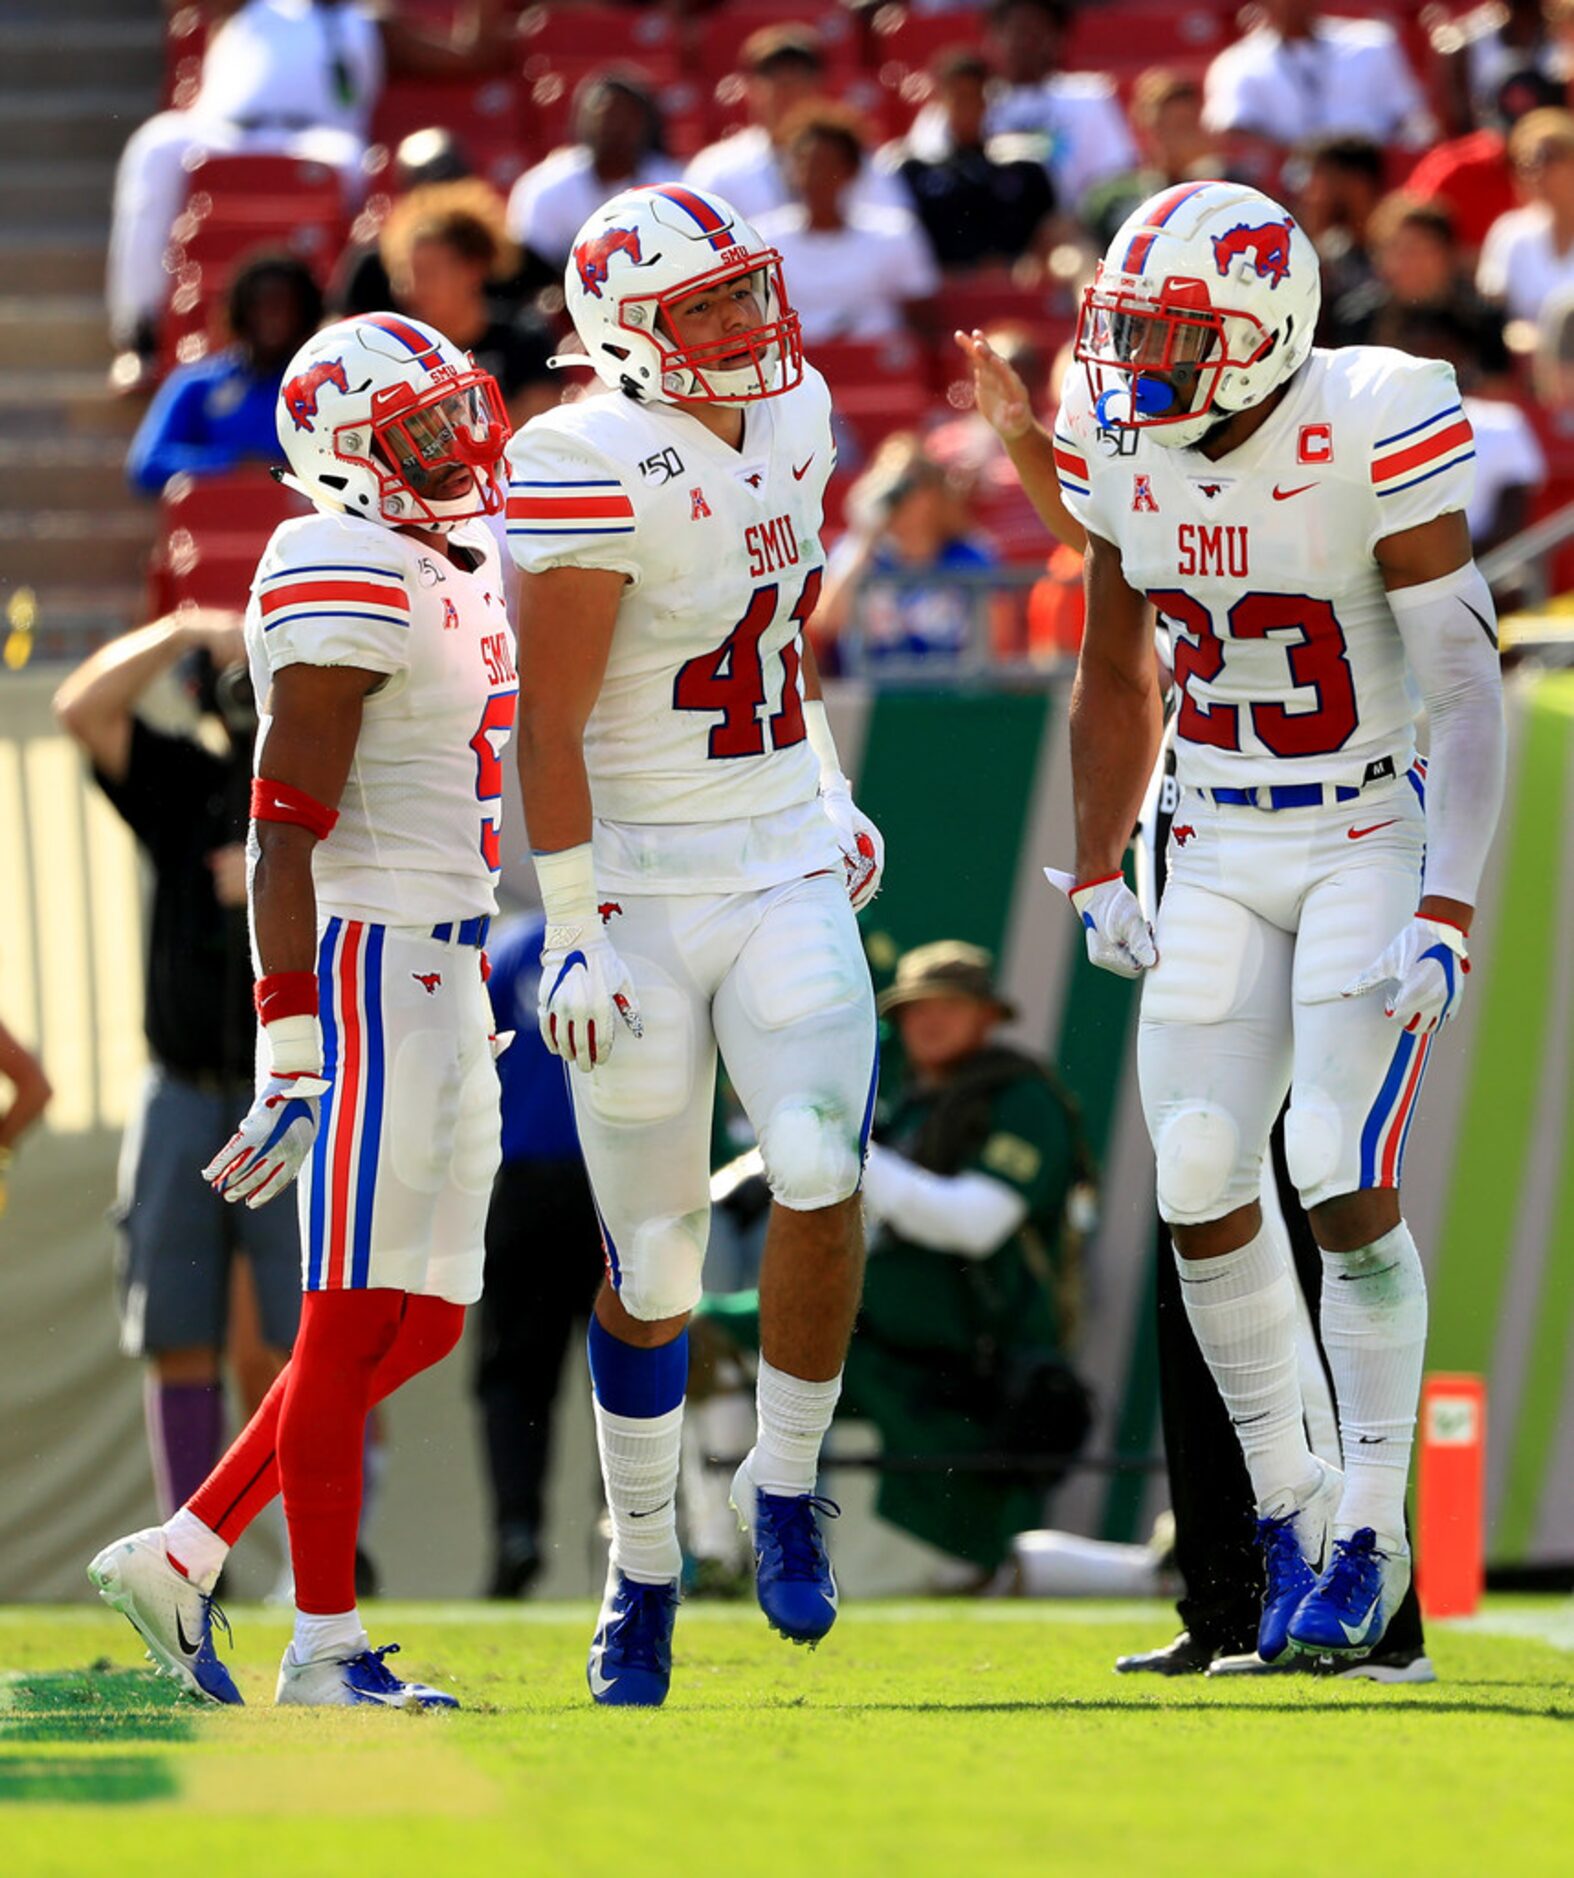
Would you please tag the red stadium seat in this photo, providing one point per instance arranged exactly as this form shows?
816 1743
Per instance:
600 33
484 114
236 206
878 385
212 530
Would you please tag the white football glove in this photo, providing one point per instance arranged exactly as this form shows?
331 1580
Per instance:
1120 940
266 1152
861 843
585 989
1426 966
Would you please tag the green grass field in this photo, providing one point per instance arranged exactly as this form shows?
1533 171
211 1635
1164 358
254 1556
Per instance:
981 1738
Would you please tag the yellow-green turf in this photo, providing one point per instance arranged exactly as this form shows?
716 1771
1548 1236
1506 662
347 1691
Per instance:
943 1737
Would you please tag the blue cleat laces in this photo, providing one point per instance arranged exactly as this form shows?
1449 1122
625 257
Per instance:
1342 1613
631 1653
1286 1580
370 1679
793 1576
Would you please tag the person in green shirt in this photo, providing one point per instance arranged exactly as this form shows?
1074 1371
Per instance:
970 1194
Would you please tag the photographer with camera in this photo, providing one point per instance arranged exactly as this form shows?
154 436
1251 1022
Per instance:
187 803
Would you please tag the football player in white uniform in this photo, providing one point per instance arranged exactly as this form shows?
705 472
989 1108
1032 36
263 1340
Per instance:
1297 518
383 664
700 858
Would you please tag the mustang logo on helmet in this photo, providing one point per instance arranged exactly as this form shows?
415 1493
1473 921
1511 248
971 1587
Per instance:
1268 246
300 393
594 257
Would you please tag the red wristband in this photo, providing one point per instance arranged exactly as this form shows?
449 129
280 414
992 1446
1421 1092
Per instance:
1098 881
286 994
273 801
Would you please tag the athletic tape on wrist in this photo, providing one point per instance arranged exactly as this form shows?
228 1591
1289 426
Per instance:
273 801
567 879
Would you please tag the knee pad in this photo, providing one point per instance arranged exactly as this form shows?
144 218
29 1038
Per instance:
811 1156
658 1272
1197 1150
1313 1136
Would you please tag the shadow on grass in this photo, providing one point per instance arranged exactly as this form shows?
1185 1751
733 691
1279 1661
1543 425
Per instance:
1386 1704
95 1704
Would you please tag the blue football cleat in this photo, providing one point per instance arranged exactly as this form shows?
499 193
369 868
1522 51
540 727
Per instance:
363 1680
1294 1546
172 1617
631 1653
793 1579
1347 1610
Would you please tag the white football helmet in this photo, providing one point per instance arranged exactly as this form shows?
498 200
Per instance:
382 417
649 249
1204 304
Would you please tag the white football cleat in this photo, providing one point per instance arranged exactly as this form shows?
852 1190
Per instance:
355 1679
172 1617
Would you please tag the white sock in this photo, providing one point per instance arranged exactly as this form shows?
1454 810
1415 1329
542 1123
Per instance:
639 1467
1374 1331
199 1548
793 1417
1241 1307
339 1635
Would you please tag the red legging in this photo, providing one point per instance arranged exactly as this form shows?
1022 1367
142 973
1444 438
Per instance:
353 1349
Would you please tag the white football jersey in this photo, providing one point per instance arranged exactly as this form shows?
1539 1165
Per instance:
701 776
418 834
1290 663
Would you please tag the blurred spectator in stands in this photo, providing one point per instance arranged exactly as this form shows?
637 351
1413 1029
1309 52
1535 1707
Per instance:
544 1264
1335 184
1166 113
974 459
188 808
1480 50
1419 269
1510 466
215 414
298 77
442 246
617 145
30 1096
1472 176
784 69
1074 118
978 201
360 281
1529 253
905 519
854 270
1298 75
976 1191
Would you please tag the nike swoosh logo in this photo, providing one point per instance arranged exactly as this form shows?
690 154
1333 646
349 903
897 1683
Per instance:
799 474
1245 1421
186 1644
1284 495
1356 834
1356 1633
1370 1441
651 1511
599 1684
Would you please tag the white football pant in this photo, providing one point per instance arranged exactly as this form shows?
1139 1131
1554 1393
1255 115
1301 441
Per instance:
777 980
1266 916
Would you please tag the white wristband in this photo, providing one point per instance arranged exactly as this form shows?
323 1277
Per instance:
823 744
294 1046
568 885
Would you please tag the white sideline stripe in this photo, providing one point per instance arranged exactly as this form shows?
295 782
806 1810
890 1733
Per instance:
1555 1626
